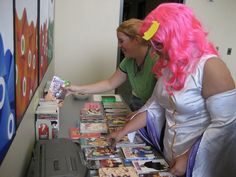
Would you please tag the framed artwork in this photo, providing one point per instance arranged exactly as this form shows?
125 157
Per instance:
7 80
46 35
26 53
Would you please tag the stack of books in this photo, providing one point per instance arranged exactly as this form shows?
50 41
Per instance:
47 120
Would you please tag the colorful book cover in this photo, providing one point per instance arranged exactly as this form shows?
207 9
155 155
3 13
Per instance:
150 166
75 134
160 174
125 142
115 105
117 172
92 109
87 127
108 163
94 142
98 97
138 153
101 153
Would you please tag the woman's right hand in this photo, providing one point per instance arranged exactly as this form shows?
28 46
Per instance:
116 136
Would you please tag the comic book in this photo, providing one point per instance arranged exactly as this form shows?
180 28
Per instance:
109 163
138 153
107 98
114 105
101 153
75 134
125 142
89 127
94 142
158 174
92 109
150 166
117 172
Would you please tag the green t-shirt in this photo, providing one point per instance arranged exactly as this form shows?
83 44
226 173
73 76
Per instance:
143 81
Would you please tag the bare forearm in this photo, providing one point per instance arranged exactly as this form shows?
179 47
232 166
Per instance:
139 121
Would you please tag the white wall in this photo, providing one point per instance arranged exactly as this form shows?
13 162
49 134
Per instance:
85 39
218 18
18 156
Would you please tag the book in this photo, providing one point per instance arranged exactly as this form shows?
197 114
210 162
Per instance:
114 105
109 163
92 109
125 142
94 142
117 172
138 153
150 166
88 127
56 87
159 174
101 153
98 97
75 134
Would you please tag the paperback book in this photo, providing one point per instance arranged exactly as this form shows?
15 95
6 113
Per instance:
92 109
107 97
109 163
117 172
88 127
114 105
94 142
159 174
125 142
150 166
138 153
75 134
100 153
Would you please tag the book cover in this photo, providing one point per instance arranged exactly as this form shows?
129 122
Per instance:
125 142
109 163
138 153
94 142
150 166
75 134
101 153
98 97
88 127
117 172
159 174
114 105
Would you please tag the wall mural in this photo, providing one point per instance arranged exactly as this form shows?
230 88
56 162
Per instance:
46 27
7 82
22 38
26 43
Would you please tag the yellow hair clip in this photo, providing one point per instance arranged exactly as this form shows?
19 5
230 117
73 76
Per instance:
151 31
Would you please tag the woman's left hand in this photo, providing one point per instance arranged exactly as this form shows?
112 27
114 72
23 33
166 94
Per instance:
180 165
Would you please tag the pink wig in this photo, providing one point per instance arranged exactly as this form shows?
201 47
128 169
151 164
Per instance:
184 42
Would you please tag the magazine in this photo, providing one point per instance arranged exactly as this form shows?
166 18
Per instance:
75 134
109 163
98 97
101 153
117 172
125 142
138 153
94 142
159 174
115 105
150 166
88 127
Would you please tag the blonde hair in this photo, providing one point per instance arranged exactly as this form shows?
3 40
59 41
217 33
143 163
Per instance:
131 28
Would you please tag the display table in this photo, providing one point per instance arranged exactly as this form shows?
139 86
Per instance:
69 114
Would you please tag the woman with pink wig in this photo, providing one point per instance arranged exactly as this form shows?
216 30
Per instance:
191 116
